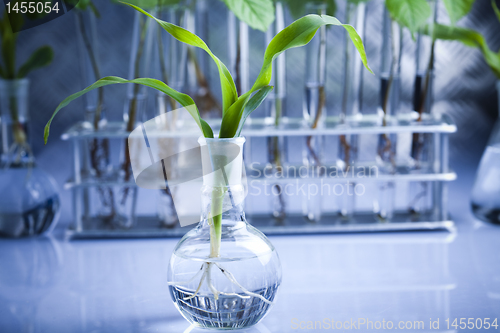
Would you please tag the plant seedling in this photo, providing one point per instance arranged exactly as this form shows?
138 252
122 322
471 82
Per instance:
236 108
9 71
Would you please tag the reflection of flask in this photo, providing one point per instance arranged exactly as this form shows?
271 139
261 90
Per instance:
30 270
29 200
486 191
483 249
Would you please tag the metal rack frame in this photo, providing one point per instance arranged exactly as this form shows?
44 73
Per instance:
147 226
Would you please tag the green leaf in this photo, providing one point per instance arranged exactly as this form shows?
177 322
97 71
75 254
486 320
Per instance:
297 7
495 9
412 14
15 20
94 10
469 38
146 4
84 5
231 119
151 4
181 98
297 34
331 7
458 9
252 105
357 2
9 52
2 72
258 14
229 93
40 58
80 4
300 33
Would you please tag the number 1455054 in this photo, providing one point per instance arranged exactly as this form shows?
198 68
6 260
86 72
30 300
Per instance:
472 323
32 7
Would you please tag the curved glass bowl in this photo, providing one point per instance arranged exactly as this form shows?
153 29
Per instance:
29 202
233 291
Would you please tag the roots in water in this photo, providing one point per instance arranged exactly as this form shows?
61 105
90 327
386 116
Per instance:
206 271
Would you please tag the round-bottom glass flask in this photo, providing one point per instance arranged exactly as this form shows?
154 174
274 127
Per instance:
29 199
223 274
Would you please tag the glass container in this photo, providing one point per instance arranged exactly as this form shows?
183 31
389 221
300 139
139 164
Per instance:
224 273
200 79
275 102
120 210
352 103
170 58
314 112
422 153
434 217
485 200
170 61
139 66
29 199
421 148
274 106
238 52
90 66
96 154
390 86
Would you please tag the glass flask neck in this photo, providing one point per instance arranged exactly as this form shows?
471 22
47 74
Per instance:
223 192
231 210
14 114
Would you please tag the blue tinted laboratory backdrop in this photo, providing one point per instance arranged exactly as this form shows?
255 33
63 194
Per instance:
464 84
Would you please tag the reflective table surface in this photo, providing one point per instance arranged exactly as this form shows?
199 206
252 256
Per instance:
51 285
